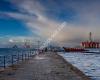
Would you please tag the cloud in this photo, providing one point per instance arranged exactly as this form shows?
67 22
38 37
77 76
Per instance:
43 18
19 16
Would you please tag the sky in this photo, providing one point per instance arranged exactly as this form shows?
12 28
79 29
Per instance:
39 19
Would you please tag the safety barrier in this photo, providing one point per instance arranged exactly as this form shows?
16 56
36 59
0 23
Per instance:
9 60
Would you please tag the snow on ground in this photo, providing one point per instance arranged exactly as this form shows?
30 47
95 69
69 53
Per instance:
88 63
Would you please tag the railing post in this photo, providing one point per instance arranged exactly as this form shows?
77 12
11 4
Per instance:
12 58
22 56
28 55
4 61
25 56
18 58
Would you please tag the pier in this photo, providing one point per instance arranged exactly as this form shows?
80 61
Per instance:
44 66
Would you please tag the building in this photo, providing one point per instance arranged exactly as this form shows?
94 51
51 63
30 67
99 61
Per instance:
90 43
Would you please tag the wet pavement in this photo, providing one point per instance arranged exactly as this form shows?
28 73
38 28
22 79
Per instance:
48 66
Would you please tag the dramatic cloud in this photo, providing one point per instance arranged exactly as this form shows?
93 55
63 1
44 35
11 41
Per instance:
44 16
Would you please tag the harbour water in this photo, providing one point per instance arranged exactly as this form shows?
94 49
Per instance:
10 51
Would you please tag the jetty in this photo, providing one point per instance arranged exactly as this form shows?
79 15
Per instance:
43 66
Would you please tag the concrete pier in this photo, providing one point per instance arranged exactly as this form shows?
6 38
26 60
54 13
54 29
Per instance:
45 66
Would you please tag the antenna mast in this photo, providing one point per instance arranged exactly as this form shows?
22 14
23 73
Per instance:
90 36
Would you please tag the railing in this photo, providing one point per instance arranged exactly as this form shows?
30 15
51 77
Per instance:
6 61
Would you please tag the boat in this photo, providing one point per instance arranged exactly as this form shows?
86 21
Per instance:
89 46
74 49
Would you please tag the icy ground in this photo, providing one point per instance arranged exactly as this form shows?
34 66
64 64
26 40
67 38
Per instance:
88 63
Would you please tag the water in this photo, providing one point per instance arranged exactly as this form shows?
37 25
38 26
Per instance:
10 51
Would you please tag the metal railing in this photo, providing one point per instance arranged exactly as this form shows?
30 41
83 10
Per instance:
9 60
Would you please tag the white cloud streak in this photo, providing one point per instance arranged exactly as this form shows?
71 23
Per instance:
86 20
